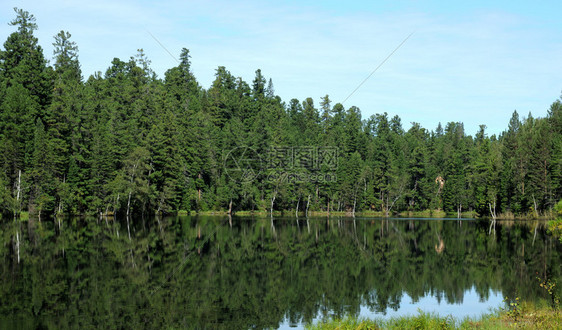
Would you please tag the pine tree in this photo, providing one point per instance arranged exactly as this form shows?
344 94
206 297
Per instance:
63 114
26 82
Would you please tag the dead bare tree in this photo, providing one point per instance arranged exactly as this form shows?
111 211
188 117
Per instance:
18 193
387 207
493 210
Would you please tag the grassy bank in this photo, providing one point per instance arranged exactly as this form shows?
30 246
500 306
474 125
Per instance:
377 214
522 317
427 214
555 228
547 215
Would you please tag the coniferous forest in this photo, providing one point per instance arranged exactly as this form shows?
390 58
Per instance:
127 142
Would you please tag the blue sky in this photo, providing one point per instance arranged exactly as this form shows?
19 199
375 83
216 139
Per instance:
474 62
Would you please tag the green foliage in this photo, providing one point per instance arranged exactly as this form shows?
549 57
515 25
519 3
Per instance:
549 286
73 141
513 310
558 208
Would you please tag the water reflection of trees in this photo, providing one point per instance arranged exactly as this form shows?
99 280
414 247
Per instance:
196 271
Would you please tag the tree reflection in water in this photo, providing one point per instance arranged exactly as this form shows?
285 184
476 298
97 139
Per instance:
258 272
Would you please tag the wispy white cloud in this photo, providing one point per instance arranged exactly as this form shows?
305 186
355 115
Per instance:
475 66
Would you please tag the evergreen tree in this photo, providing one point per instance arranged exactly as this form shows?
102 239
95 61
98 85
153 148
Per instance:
130 143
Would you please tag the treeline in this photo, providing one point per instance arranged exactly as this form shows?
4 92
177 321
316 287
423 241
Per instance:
127 142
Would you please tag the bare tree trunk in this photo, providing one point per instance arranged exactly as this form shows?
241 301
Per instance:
159 207
159 223
381 197
273 228
492 211
128 208
272 202
307 204
199 189
535 203
230 207
354 203
129 204
18 244
129 199
388 206
297 208
492 224
18 187
106 210
18 192
115 205
60 208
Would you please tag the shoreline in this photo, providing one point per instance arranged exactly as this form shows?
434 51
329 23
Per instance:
429 214
437 214
524 315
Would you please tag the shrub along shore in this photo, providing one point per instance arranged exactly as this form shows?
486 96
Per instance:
525 316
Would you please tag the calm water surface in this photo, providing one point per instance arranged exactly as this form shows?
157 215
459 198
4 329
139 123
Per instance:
238 273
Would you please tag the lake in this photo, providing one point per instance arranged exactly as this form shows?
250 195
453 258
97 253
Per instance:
244 272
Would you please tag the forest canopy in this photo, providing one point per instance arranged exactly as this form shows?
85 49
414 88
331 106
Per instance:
128 142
